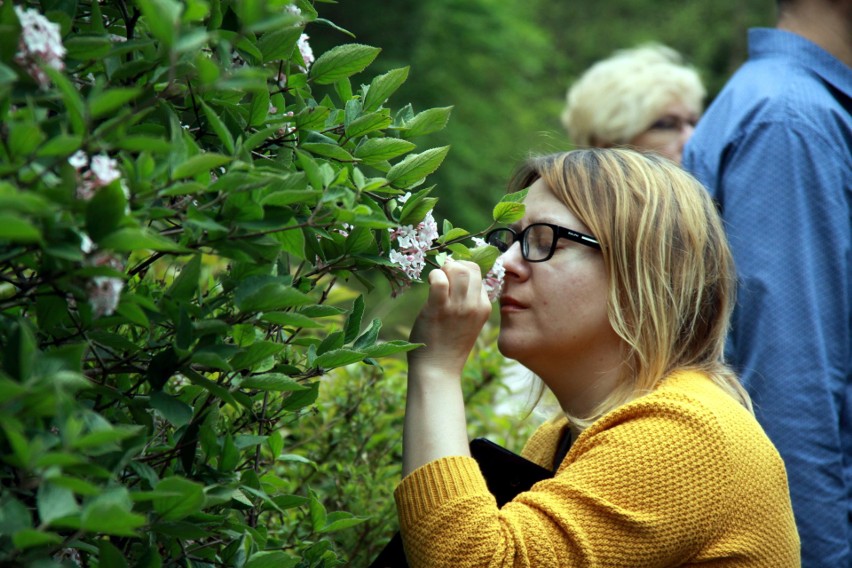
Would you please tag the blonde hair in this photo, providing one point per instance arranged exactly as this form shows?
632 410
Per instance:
670 271
619 97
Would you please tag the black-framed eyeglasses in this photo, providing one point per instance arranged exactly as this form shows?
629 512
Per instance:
538 241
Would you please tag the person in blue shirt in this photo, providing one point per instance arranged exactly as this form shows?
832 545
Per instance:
775 151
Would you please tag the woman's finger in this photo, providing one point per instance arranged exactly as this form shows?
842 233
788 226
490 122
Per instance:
458 280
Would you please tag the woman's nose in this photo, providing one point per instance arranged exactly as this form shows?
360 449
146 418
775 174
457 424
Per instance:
514 263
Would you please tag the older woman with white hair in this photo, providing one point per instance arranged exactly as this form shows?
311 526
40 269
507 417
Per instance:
646 98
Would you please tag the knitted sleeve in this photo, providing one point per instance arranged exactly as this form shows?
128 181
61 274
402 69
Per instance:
647 485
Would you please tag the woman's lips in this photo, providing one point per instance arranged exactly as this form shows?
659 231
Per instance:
509 304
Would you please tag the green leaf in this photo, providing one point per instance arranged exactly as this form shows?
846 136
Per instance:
301 399
275 441
390 348
416 208
271 559
107 436
278 45
111 513
105 211
383 86
177 412
198 164
185 285
60 145
427 122
376 150
267 296
291 196
24 138
20 352
484 257
7 76
162 18
311 169
71 99
328 151
289 319
14 516
369 337
416 167
318 513
272 382
259 108
29 538
111 100
185 498
131 239
453 234
340 520
218 127
110 555
87 47
353 322
54 502
230 456
367 123
78 486
338 358
515 196
255 353
192 41
17 230
342 61
507 212
330 342
141 143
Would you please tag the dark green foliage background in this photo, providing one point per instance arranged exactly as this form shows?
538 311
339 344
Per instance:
504 65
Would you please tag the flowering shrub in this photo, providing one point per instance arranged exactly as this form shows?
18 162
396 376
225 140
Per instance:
184 186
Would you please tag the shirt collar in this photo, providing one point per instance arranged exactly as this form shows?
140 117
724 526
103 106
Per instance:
768 43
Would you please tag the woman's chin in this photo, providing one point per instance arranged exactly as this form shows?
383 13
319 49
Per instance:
510 348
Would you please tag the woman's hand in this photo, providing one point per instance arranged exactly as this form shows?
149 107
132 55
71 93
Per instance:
451 320
457 308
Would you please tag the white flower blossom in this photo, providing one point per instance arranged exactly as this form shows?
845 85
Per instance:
306 51
105 291
287 128
104 169
79 160
93 174
40 44
413 244
493 281
104 294
86 243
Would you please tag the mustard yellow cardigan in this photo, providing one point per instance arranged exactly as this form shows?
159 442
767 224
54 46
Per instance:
683 476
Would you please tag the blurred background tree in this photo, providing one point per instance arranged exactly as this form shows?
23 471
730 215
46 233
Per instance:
504 67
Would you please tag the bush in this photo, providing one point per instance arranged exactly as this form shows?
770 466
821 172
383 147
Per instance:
183 186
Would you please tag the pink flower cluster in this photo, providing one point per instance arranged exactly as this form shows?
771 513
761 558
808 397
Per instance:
413 244
93 174
493 281
105 291
40 44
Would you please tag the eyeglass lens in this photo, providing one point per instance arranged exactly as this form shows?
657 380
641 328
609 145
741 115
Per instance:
537 241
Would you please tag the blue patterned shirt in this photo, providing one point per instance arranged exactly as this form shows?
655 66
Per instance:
775 151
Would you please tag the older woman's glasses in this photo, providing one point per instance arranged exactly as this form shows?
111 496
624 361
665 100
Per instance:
538 241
